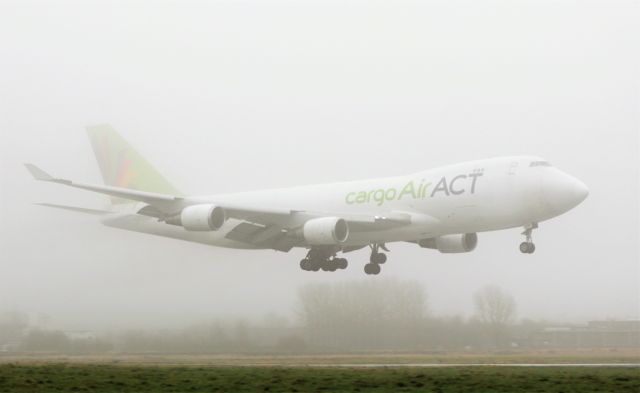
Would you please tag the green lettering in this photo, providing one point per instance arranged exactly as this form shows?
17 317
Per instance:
408 189
348 198
378 196
424 190
369 195
390 194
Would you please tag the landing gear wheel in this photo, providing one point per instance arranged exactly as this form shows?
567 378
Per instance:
378 258
372 268
524 247
330 265
305 264
527 248
315 265
341 263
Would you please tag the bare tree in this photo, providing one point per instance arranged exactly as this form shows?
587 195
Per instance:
12 326
380 314
497 309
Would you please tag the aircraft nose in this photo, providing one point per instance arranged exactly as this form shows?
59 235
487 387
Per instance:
562 192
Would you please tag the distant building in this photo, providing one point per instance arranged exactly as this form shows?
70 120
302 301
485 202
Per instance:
80 335
10 347
596 334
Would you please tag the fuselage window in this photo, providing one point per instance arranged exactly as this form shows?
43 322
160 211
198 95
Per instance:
539 163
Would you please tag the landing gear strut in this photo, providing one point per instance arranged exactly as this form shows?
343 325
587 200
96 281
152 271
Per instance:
325 259
376 259
527 247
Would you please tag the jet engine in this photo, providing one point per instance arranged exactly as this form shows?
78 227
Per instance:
199 218
325 231
449 244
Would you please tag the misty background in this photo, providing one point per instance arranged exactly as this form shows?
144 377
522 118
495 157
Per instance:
236 96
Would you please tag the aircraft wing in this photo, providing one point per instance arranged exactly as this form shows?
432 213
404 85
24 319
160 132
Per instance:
284 218
271 227
166 203
76 209
364 222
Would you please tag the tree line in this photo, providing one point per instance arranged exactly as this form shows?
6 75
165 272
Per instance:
370 315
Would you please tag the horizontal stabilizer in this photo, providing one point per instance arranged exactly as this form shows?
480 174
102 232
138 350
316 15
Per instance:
38 173
84 210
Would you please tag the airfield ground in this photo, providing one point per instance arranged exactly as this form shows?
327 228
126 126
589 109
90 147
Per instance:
592 356
617 371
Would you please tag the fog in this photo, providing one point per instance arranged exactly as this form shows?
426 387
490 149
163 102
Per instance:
237 96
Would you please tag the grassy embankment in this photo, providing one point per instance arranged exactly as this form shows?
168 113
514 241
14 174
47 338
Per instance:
125 378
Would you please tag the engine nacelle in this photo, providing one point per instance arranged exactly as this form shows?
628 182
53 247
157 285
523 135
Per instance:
449 244
325 231
199 218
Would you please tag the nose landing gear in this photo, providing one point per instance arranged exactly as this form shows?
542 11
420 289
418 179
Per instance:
527 247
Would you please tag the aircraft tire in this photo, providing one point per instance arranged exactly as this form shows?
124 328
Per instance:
527 248
372 268
315 265
379 258
524 247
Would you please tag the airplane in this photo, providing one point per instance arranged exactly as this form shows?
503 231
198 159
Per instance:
442 208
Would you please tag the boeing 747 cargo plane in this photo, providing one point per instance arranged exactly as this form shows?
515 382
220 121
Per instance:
441 208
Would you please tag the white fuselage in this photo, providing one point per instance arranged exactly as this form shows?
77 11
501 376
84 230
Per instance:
469 197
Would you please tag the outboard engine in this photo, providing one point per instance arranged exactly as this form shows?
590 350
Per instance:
448 244
203 217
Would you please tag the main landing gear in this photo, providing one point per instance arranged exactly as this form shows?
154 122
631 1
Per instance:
527 247
376 259
326 260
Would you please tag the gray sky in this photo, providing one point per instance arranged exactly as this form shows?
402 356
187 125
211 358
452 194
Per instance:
232 96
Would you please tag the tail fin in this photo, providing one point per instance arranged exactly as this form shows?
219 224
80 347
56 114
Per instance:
122 166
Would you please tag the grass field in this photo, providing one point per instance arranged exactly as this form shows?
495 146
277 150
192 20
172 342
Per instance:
117 378
630 355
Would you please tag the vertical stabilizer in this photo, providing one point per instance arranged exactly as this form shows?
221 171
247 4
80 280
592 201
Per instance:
122 166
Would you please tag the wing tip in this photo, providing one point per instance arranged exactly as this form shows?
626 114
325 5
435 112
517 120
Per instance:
76 209
38 173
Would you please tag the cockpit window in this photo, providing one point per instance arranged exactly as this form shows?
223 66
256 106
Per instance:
539 163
